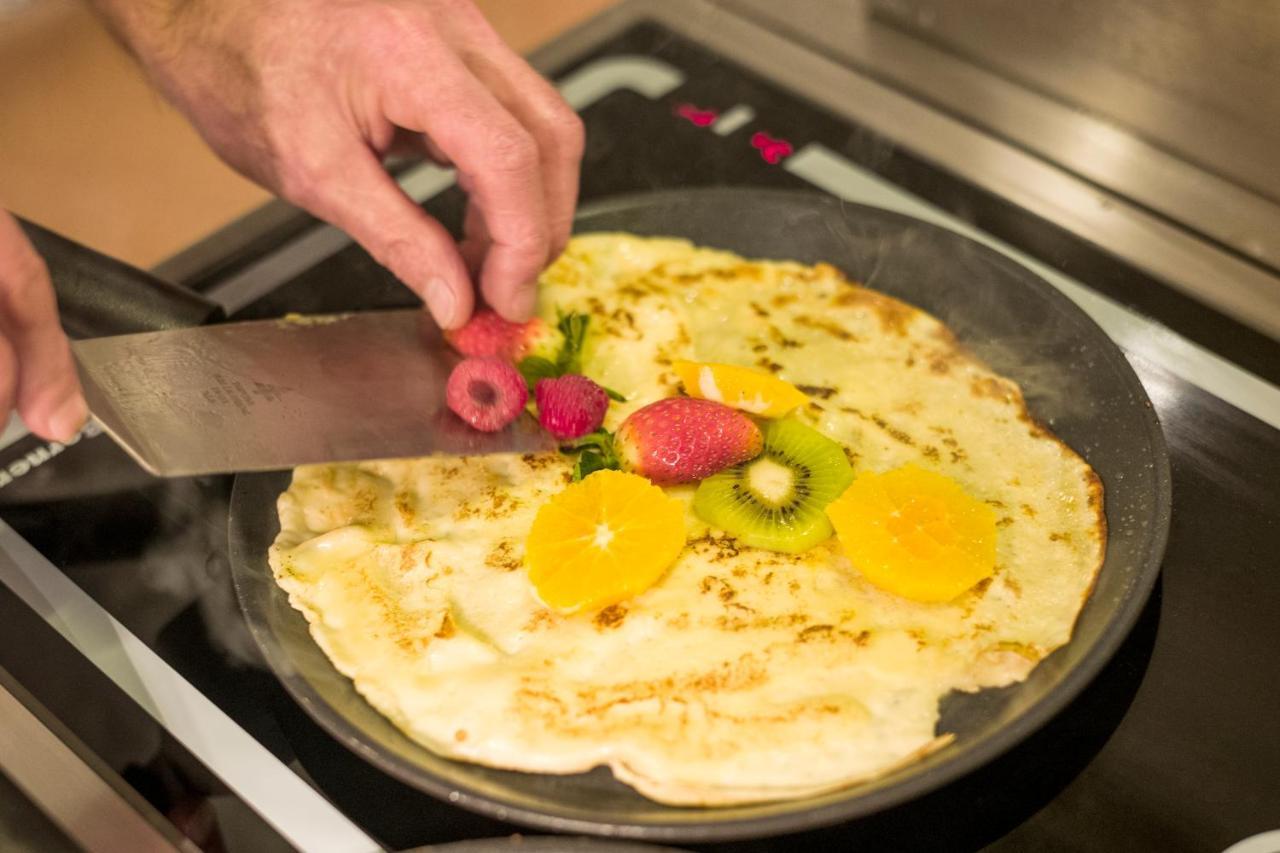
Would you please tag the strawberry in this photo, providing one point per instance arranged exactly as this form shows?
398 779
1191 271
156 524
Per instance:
486 335
681 439
570 406
486 393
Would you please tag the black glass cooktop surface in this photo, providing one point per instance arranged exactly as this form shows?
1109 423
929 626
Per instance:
1172 747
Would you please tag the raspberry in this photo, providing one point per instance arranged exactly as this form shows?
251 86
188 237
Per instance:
486 393
486 335
570 406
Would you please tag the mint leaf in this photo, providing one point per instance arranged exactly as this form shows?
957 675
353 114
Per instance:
614 395
535 367
601 440
595 453
574 328
589 461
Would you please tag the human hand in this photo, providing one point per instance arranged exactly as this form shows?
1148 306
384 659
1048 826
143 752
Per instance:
37 375
307 96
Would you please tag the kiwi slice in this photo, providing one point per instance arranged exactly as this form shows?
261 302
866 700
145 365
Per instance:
776 500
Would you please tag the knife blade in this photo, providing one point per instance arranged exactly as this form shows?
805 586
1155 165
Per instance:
275 394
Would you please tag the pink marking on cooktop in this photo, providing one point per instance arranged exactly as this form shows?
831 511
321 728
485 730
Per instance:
771 149
700 117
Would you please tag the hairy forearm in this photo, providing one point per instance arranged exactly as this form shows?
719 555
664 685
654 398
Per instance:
306 96
195 52
172 39
145 27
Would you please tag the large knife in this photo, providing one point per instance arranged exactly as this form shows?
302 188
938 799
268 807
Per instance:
258 395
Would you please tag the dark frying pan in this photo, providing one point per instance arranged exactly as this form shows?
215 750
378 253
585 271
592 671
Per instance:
1075 379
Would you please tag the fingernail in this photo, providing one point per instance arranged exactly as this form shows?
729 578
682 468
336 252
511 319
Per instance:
441 301
69 419
523 302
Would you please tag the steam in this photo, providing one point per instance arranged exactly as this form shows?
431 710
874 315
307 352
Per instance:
184 563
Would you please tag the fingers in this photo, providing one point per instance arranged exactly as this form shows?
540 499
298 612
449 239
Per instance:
536 104
554 125
499 160
475 241
9 370
36 369
406 143
351 190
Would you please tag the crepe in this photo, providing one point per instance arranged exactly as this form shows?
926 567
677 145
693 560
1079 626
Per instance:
743 674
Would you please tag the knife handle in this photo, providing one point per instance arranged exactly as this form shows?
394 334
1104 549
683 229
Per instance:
99 295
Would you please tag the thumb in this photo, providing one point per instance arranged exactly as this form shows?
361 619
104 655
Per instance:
367 203
36 370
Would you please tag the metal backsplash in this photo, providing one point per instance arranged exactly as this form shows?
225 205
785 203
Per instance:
1173 104
1199 78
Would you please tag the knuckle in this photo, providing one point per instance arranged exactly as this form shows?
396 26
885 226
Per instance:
26 286
295 167
394 31
30 273
412 261
558 127
523 235
56 381
397 256
529 247
8 374
568 132
300 182
512 150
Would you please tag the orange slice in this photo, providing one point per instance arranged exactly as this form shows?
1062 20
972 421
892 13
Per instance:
915 533
607 538
742 388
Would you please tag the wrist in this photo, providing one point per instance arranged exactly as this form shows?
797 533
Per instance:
143 27
162 34
197 54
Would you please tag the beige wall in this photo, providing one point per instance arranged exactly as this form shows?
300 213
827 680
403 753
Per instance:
87 149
